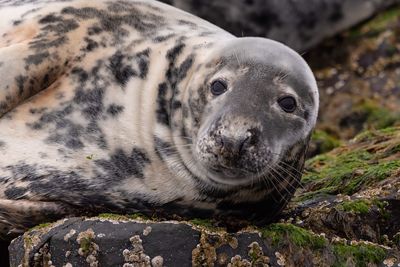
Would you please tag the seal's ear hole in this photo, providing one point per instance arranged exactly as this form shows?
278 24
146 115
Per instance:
218 87
287 103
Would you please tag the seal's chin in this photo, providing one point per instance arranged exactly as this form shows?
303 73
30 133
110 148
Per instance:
233 176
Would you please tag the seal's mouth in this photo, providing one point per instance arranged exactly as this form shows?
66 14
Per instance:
233 165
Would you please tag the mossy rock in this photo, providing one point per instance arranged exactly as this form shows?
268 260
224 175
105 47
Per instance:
352 192
370 158
119 241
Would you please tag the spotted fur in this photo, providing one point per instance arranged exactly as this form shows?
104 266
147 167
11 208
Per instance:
100 106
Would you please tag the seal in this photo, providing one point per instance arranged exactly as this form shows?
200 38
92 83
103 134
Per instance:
136 106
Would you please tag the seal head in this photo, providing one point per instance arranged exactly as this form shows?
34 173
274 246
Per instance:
248 108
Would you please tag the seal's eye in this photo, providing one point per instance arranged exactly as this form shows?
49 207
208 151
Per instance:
218 87
287 103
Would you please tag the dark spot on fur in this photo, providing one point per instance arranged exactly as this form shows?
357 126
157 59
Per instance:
143 61
163 38
186 22
37 110
81 73
176 104
121 71
174 52
122 166
51 18
20 80
64 26
90 44
15 192
3 107
162 104
37 59
94 30
184 67
43 43
114 109
91 101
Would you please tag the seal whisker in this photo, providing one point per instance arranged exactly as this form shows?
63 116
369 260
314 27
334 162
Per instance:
288 181
267 182
291 167
272 181
183 137
173 147
292 175
280 181
294 178
237 58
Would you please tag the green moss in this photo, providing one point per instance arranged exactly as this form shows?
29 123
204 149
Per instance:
326 141
361 206
126 217
361 254
85 245
377 24
364 136
41 226
333 169
347 170
279 232
370 135
380 21
202 222
377 117
28 241
390 130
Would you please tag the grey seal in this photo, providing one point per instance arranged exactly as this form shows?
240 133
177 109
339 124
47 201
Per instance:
135 106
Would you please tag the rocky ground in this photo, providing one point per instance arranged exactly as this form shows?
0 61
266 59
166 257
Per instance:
346 213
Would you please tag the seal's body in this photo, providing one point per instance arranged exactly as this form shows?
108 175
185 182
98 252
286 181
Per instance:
126 106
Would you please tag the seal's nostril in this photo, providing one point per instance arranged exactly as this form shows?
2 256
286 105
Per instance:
229 145
252 136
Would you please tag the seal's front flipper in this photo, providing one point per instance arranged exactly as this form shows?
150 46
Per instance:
18 215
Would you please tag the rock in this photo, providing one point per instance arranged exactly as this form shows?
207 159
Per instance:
119 241
114 242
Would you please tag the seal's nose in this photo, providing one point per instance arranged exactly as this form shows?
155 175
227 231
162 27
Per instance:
232 148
